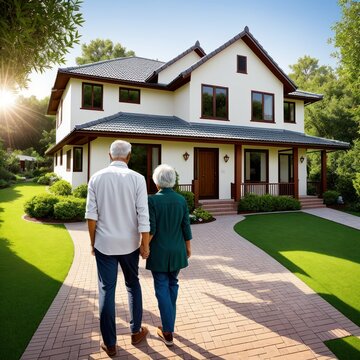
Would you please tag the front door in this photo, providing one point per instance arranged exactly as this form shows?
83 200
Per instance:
206 171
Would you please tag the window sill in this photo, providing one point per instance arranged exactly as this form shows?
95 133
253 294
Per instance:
289 122
86 108
213 118
264 121
129 102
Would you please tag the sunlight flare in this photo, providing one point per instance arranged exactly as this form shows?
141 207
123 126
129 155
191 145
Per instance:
7 98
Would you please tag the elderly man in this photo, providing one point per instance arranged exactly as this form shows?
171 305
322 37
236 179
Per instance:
117 213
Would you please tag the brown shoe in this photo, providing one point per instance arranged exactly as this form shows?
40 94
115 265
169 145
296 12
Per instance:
167 338
139 336
110 350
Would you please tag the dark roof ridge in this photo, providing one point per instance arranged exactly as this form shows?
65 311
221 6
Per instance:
107 61
242 34
194 47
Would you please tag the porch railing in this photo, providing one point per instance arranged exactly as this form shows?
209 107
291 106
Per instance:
267 188
193 187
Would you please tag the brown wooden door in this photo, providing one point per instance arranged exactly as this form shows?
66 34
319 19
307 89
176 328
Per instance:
206 171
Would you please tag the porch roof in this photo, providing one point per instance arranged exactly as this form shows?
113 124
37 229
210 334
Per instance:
173 127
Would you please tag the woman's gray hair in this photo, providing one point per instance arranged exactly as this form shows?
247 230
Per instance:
120 149
164 176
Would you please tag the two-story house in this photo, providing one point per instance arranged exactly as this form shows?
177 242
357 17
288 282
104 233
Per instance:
230 121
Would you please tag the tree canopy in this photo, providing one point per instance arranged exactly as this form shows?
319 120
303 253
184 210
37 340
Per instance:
34 35
99 49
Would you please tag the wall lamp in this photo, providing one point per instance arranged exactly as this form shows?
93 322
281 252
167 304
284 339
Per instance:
186 156
302 159
226 158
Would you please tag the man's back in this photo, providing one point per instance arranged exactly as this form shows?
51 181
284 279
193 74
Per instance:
117 200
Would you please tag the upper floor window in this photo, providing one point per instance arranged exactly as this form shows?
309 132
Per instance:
242 64
61 157
92 96
262 106
55 158
129 95
214 102
289 112
59 115
78 159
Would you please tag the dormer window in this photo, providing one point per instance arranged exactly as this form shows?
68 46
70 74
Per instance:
129 95
242 64
289 112
92 96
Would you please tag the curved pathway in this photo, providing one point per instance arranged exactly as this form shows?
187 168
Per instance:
235 302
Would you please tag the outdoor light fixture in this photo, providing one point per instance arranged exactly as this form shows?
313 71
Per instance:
302 159
186 156
226 158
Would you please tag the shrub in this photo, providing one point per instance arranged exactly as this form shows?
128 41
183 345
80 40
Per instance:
6 175
70 208
81 191
3 184
41 171
200 213
346 189
268 203
48 179
61 187
355 207
190 199
41 206
356 184
330 197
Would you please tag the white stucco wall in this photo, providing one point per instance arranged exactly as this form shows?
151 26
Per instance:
182 102
171 72
221 71
65 127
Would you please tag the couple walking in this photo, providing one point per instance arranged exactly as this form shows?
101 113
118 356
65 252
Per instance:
124 223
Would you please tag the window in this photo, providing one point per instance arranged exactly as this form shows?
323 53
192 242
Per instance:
55 159
289 112
242 64
92 96
262 106
59 115
61 157
256 166
214 102
129 95
68 160
78 159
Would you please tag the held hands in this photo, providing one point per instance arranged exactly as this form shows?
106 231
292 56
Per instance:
144 251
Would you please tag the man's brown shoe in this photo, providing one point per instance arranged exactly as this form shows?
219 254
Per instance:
167 338
110 350
138 337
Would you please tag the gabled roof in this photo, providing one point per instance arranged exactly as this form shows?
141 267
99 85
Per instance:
196 47
255 46
174 128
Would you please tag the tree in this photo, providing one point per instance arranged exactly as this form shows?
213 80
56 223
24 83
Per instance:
35 35
347 40
99 49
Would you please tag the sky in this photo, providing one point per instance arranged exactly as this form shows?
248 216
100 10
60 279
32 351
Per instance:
162 29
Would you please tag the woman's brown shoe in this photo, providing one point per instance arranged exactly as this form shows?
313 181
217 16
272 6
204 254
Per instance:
139 336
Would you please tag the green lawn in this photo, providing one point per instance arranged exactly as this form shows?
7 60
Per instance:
323 254
35 259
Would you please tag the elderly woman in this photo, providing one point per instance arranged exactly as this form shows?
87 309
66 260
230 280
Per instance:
170 247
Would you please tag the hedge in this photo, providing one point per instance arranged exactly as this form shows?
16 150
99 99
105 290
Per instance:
41 206
61 187
70 208
81 191
190 199
267 203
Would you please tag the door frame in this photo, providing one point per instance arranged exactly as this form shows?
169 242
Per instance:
197 150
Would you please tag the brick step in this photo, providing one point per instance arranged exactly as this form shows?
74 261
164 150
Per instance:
311 202
219 213
216 207
303 207
219 207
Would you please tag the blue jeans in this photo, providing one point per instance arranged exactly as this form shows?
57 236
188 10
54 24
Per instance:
166 291
107 266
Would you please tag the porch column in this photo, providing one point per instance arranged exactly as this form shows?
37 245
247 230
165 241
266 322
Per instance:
323 172
238 167
296 171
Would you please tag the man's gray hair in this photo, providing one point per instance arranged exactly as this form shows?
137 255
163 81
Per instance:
120 149
164 176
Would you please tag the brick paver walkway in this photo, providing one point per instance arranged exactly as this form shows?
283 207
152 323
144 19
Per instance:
235 302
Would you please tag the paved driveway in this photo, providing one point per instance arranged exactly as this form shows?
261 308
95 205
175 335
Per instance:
235 302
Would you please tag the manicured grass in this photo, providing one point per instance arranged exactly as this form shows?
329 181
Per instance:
323 254
346 348
35 259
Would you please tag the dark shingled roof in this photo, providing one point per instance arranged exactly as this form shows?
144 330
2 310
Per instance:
173 126
129 68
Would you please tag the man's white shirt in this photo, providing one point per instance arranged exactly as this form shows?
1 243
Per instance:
117 199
